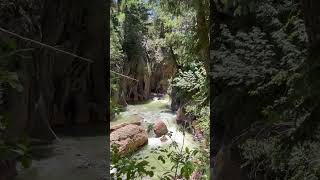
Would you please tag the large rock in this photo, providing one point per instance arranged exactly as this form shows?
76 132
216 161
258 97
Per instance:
113 128
160 128
129 138
163 138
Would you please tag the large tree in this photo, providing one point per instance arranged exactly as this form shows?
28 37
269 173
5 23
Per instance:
311 84
59 87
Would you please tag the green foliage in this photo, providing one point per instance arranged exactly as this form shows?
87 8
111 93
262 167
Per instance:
19 150
128 28
266 55
176 22
9 81
182 161
117 57
150 127
175 33
128 167
7 59
134 26
114 108
259 154
239 7
116 52
202 115
193 81
179 31
12 79
266 157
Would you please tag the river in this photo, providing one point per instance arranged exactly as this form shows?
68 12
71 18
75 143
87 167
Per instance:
149 112
78 155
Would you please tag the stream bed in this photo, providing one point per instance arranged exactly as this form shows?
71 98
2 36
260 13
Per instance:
149 112
80 154
77 156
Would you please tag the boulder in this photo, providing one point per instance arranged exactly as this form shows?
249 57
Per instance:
160 128
129 138
124 124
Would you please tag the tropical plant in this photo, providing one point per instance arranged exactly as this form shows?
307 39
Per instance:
13 149
128 167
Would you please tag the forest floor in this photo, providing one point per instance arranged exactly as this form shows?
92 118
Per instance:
73 157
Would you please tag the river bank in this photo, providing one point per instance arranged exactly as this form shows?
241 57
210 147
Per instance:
157 108
78 155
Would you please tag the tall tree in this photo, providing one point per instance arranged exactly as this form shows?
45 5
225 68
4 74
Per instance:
311 16
310 10
59 87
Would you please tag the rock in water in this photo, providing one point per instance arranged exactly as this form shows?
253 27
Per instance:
129 138
163 138
160 128
113 128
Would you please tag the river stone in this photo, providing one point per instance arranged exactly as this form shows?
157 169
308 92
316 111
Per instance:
124 124
129 138
160 128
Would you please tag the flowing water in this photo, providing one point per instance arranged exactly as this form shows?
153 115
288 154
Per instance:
81 154
149 112
77 156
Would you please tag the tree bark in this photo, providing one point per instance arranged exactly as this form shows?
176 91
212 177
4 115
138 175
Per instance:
312 21
203 32
311 13
60 87
217 128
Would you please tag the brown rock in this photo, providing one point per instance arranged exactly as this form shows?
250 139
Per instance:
160 128
124 124
129 138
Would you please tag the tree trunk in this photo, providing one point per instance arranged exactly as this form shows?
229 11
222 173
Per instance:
311 83
312 21
217 128
203 32
60 87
